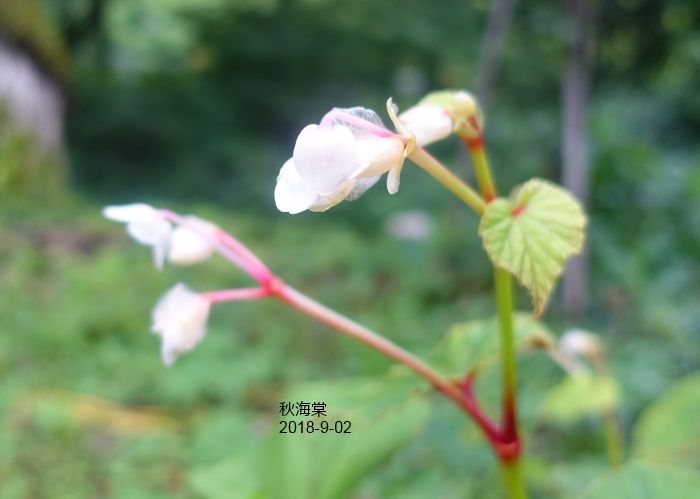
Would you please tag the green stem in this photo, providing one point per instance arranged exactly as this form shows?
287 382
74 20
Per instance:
481 168
442 174
504 305
513 480
614 442
509 450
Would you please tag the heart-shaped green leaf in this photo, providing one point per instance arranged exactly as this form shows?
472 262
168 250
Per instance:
532 234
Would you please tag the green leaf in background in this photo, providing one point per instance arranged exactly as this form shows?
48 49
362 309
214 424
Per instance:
235 476
355 457
469 345
638 480
668 431
580 396
532 234
330 465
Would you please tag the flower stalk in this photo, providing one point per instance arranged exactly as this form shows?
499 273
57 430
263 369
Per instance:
452 182
481 167
510 447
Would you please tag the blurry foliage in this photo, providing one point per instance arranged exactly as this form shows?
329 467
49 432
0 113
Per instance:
28 24
201 102
27 173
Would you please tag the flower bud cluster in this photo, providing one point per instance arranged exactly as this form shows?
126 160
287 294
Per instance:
347 152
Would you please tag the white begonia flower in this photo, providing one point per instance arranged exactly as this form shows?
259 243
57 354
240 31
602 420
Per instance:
189 243
325 158
146 225
335 162
180 319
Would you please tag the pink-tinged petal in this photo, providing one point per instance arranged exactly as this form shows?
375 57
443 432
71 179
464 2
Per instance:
379 155
325 202
325 157
189 243
361 121
428 122
291 193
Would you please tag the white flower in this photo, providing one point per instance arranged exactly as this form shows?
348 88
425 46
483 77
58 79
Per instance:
189 243
183 245
146 225
336 161
180 318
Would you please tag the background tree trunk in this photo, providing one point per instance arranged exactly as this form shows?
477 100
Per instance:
492 45
580 16
30 100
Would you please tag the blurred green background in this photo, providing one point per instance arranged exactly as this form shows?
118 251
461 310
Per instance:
195 105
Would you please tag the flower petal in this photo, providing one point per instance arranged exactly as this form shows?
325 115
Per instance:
428 122
323 203
393 180
136 212
362 186
325 157
188 243
291 193
378 155
362 113
146 225
180 319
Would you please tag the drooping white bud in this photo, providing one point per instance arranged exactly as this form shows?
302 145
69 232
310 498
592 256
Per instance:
427 122
146 225
180 319
580 343
190 241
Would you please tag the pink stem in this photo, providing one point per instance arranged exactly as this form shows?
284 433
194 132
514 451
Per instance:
229 247
337 114
350 328
240 294
258 267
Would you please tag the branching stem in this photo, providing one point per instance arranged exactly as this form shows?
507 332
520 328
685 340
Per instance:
442 174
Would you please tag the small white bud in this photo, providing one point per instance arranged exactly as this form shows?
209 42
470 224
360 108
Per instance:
427 122
180 319
189 243
146 225
579 343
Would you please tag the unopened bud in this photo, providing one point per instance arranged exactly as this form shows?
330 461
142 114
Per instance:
580 343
